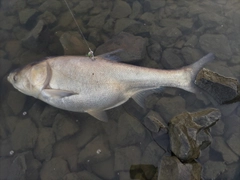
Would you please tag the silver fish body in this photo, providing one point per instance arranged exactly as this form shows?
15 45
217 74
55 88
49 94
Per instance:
81 84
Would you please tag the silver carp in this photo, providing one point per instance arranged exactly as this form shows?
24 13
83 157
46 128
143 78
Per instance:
82 84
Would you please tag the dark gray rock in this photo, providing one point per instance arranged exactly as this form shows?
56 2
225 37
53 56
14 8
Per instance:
212 169
170 166
16 101
154 122
44 145
63 126
167 37
24 166
150 5
8 22
171 59
182 24
83 6
34 2
4 68
125 157
136 10
11 122
24 135
123 24
95 151
191 55
220 146
35 112
87 176
170 106
134 47
154 51
53 6
26 14
48 116
192 41
6 148
189 133
54 169
48 18
147 18
5 164
130 130
214 43
104 169
222 89
211 19
152 153
98 21
121 9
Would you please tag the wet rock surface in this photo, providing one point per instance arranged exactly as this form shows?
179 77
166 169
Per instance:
189 133
223 89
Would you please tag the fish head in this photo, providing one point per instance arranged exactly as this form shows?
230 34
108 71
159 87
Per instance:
30 79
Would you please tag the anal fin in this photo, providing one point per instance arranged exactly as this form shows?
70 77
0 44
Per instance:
100 115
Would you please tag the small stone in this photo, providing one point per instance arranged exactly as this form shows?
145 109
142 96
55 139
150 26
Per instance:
48 18
121 9
150 5
155 51
171 59
122 24
222 89
84 6
136 9
24 135
212 169
89 153
192 41
154 122
125 157
63 126
85 175
53 6
48 116
211 19
98 21
54 169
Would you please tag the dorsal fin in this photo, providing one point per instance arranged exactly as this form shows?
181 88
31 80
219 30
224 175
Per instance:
113 55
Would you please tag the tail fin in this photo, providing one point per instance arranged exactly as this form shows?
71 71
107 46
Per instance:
193 69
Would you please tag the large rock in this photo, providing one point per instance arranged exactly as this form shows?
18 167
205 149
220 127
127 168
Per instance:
24 135
134 47
211 19
104 169
154 122
222 89
212 169
232 142
214 43
189 133
26 14
171 166
54 169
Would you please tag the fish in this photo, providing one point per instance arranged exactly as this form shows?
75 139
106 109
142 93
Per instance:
95 84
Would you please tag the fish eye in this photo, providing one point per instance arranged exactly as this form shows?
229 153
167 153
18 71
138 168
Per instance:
15 78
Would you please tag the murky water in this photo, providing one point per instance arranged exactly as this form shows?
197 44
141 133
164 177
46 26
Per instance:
38 141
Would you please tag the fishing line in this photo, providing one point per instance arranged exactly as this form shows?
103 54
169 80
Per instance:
90 53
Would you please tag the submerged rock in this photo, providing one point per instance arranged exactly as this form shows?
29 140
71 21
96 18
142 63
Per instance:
134 47
24 135
121 9
189 133
223 89
212 169
154 122
24 166
16 101
54 169
214 43
171 166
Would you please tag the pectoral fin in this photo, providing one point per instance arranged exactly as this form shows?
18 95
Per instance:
57 93
100 115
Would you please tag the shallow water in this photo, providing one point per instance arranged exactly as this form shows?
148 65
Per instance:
41 142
